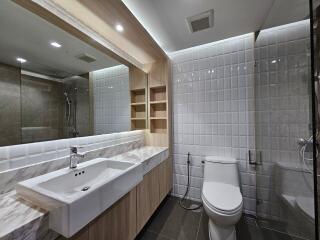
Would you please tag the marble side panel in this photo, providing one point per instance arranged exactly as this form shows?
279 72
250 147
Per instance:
20 220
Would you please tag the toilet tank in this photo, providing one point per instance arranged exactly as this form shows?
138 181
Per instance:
222 170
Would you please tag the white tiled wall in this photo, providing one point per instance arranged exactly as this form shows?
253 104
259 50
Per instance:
213 110
221 102
111 100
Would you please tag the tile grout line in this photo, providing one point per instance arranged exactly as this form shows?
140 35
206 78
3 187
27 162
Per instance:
199 224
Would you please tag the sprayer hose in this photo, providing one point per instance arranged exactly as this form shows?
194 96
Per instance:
187 190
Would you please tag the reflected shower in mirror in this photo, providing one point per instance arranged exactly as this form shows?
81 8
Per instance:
53 85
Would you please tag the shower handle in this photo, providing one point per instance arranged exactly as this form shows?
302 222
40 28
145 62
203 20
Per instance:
251 161
254 161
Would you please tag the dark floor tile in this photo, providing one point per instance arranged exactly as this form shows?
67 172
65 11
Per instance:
171 222
297 238
203 233
161 215
247 230
174 222
273 235
148 235
251 231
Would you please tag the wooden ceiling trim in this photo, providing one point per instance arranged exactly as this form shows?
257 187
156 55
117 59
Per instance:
102 15
115 11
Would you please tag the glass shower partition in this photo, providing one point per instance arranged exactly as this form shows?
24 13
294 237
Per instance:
283 130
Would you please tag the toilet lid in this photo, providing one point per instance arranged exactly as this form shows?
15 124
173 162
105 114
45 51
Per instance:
221 196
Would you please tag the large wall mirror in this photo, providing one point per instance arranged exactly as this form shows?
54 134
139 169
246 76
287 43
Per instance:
53 85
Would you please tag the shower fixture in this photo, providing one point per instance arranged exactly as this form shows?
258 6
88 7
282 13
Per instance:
182 200
304 145
68 112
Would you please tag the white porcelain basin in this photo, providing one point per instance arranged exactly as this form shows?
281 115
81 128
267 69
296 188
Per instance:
75 197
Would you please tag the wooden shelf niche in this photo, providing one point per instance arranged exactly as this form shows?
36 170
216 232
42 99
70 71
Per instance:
138 93
158 109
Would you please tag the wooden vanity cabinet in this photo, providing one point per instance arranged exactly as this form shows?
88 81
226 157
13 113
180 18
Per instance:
165 178
148 198
125 219
155 185
118 222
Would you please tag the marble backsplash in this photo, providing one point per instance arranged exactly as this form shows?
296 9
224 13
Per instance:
106 145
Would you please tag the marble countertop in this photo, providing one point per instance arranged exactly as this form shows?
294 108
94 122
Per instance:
20 219
148 156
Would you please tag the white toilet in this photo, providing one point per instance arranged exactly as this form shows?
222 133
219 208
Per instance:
221 197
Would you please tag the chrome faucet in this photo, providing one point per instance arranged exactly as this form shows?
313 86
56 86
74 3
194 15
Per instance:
74 157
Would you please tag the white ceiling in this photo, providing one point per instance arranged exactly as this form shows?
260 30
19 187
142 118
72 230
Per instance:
165 20
26 35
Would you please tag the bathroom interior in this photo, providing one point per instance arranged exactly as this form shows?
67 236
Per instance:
164 120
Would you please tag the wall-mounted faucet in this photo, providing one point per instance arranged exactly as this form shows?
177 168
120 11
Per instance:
74 157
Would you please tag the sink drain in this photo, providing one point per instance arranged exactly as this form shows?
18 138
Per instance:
85 189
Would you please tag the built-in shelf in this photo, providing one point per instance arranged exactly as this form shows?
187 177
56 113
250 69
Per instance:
138 89
138 123
158 102
138 108
158 118
139 98
138 104
138 111
138 119
158 93
158 109
138 95
158 125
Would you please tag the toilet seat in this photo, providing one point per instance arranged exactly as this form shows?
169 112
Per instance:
228 202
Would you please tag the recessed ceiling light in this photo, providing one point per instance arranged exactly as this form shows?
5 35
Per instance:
119 28
21 60
55 44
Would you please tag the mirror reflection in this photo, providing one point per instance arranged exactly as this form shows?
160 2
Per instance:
53 85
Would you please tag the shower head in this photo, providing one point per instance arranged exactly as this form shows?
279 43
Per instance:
67 97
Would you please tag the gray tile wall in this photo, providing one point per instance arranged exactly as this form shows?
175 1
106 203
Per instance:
41 109
10 123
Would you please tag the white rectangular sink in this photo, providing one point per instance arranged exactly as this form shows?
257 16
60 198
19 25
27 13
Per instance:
75 197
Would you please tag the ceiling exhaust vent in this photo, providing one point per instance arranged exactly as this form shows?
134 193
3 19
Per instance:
86 58
200 21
